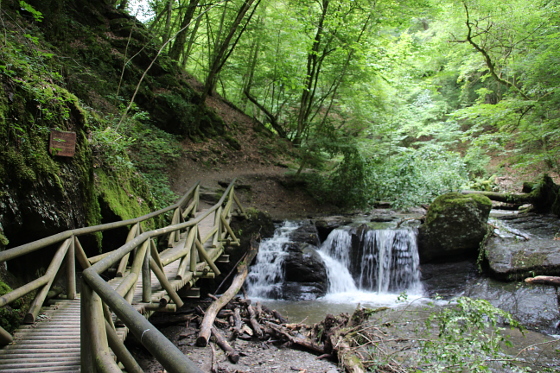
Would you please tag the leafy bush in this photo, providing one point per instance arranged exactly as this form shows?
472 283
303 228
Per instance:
408 178
469 338
414 177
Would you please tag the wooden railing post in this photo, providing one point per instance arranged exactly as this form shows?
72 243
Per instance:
71 269
5 337
87 355
218 225
174 236
194 253
147 276
50 275
124 261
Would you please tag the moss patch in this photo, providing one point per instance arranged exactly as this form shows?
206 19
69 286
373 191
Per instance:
120 196
456 201
11 315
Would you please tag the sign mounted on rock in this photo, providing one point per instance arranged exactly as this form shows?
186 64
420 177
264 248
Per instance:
62 143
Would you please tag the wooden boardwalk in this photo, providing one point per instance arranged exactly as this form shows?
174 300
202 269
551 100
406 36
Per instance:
52 343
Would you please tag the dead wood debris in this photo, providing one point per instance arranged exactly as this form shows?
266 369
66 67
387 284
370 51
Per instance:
341 338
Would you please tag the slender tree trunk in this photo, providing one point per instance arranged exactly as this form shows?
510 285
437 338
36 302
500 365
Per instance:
248 77
181 38
272 118
168 11
227 45
312 72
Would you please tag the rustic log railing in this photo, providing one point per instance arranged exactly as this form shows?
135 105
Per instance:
99 299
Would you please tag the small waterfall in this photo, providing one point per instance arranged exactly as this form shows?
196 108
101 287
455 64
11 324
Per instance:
358 263
386 260
335 252
266 275
390 261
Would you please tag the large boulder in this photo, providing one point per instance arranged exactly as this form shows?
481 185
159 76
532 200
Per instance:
524 245
455 226
305 274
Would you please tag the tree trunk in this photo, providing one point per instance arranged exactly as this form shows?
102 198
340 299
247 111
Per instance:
307 95
181 38
272 118
503 197
226 46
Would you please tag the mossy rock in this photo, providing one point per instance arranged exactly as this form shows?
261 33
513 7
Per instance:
12 314
454 228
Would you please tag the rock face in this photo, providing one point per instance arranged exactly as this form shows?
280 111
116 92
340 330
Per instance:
305 274
524 245
454 228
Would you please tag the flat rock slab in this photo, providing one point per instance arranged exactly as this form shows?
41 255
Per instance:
524 245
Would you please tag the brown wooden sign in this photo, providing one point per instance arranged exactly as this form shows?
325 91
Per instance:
62 143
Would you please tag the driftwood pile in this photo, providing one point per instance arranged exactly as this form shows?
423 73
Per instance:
229 317
240 319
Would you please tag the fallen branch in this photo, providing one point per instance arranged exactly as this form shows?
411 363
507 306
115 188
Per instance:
519 199
231 353
253 321
545 280
298 340
217 305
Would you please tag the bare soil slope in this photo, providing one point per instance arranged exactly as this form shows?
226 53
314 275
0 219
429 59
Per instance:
262 163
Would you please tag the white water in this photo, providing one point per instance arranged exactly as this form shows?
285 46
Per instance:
388 266
266 275
337 261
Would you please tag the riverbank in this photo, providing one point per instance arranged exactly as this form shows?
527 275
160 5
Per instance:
394 339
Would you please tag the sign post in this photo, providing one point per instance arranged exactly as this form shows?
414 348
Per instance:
62 143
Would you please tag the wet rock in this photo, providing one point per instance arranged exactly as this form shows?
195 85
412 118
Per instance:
326 225
306 233
305 274
455 226
524 246
535 306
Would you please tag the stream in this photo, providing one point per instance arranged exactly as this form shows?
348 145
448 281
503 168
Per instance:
385 272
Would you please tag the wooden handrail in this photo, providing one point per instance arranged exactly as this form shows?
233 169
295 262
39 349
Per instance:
99 299
165 352
47 241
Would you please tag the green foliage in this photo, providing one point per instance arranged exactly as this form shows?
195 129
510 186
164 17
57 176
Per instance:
469 337
154 157
413 177
38 16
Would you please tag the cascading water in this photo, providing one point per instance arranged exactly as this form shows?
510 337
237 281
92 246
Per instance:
266 276
335 252
358 261
386 261
390 261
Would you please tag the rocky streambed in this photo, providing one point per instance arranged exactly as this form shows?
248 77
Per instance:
495 275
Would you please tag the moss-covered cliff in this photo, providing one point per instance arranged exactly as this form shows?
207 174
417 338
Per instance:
74 66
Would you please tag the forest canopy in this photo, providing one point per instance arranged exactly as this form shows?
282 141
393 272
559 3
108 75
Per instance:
398 100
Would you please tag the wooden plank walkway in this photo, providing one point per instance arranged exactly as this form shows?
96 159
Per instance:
52 343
